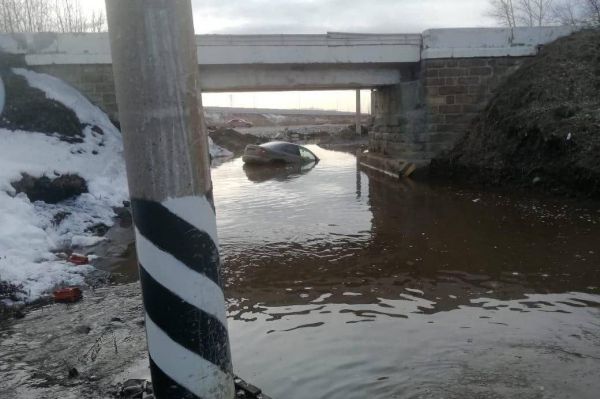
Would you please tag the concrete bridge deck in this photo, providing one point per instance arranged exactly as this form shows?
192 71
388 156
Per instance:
298 62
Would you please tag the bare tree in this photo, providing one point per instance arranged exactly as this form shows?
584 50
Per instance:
49 15
567 12
592 11
513 13
577 12
534 12
503 11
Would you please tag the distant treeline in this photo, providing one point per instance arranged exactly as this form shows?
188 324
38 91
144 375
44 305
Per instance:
49 16
514 13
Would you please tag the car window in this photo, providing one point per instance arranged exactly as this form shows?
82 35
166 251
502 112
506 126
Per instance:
307 155
283 147
291 149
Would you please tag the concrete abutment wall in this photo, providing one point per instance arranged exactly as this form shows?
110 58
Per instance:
399 114
455 79
417 120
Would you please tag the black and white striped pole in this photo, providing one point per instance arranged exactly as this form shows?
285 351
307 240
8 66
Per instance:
166 151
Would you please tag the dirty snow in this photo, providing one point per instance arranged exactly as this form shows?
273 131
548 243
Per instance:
28 235
29 238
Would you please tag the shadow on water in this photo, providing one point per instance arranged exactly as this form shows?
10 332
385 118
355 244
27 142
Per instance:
345 284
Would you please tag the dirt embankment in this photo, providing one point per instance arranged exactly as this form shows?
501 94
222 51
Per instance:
233 140
28 109
77 350
543 126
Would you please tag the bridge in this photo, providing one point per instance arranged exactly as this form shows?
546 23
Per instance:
426 87
251 62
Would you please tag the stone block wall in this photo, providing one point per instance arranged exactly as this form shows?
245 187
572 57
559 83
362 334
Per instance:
95 81
398 115
456 90
418 119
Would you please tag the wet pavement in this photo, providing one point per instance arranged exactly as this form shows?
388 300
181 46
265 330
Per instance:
345 284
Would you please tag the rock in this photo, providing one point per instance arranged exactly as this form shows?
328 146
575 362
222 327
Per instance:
59 217
83 329
98 130
132 389
245 390
98 229
148 388
124 215
142 389
49 190
73 372
140 321
19 314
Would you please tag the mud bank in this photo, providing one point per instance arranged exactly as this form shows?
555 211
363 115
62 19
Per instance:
82 350
343 138
542 129
73 351
233 140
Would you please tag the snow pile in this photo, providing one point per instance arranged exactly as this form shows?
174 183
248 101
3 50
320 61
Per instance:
31 232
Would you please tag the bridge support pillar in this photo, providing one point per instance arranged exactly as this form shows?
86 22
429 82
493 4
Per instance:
357 116
399 122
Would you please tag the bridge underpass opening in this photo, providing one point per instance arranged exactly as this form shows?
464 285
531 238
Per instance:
272 108
322 100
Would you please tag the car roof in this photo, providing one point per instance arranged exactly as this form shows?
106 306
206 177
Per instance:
283 145
277 144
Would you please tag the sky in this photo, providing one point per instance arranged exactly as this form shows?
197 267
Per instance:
321 16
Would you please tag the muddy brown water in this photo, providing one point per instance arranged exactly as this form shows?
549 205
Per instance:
344 284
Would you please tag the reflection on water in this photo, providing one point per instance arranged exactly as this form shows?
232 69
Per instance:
348 285
276 171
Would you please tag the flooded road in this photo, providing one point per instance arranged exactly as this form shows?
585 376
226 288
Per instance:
343 284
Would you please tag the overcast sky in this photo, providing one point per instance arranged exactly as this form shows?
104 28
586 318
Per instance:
321 16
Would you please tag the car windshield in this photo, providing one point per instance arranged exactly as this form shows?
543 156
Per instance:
307 155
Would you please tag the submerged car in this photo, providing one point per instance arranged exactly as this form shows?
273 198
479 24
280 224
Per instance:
278 152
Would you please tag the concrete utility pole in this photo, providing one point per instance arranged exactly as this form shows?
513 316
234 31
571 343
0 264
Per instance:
357 116
166 151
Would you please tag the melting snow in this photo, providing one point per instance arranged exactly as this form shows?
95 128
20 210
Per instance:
28 235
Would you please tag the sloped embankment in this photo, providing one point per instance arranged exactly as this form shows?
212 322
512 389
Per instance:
61 175
543 126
